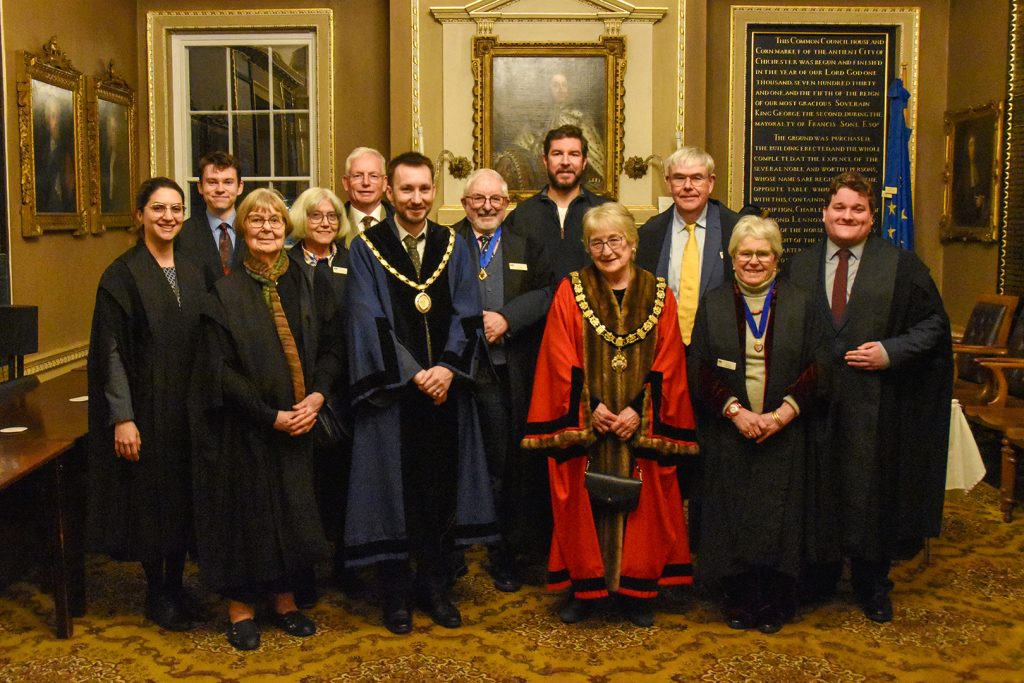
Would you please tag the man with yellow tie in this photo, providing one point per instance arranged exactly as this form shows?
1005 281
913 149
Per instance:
686 243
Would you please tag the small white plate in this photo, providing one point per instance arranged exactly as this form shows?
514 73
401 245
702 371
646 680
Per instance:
13 430
79 399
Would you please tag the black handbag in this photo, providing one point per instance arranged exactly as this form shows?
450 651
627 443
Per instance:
611 492
331 426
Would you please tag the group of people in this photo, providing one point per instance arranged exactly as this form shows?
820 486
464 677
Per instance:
547 382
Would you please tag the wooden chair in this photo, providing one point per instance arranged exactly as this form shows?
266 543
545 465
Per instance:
1006 420
986 334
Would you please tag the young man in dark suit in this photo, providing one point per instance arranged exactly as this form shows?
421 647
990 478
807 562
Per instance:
208 237
880 456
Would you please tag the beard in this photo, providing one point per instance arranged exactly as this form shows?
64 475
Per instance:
563 187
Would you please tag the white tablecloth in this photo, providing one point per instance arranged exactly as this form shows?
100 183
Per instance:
964 467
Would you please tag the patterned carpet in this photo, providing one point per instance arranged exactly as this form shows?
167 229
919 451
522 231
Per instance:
959 618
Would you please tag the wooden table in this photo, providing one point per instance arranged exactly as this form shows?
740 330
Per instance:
51 445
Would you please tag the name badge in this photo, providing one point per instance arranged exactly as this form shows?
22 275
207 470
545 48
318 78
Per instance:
727 364
517 266
339 270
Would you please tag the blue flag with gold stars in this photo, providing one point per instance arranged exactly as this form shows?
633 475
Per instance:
898 205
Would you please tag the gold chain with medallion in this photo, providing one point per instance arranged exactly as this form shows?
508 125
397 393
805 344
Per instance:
422 300
618 341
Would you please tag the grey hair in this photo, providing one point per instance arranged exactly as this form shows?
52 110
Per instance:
481 173
758 228
360 151
686 156
306 203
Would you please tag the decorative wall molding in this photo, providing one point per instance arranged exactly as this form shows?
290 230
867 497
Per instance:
614 11
57 360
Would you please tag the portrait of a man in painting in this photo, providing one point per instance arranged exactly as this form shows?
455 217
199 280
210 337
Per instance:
972 171
115 173
53 128
531 96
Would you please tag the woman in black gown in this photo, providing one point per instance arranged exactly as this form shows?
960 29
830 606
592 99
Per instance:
144 331
267 357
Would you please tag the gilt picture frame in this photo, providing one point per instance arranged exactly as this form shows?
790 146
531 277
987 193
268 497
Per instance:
113 151
973 174
522 90
51 127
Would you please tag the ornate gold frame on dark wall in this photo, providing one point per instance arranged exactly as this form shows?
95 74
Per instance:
53 68
954 125
612 48
1011 243
111 88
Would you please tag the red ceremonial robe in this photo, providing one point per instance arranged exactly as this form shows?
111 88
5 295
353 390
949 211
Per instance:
595 551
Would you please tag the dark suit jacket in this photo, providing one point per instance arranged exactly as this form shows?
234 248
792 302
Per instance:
656 245
195 242
527 296
350 231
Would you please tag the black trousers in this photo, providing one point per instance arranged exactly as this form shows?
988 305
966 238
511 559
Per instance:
430 447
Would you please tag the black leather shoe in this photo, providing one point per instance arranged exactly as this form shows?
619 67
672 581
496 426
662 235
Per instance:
163 610
295 623
244 635
506 579
574 611
442 610
776 614
770 620
397 618
878 606
739 618
640 612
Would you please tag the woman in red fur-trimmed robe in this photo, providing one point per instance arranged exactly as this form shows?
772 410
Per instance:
613 405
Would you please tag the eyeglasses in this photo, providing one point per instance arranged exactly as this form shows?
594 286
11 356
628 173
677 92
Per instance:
175 209
365 177
317 217
761 256
614 243
696 180
258 221
477 201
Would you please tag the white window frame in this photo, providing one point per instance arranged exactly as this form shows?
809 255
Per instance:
182 129
164 97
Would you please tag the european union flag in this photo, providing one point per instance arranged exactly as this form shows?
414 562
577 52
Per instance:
898 211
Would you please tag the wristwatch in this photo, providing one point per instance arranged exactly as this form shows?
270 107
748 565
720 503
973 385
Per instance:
732 410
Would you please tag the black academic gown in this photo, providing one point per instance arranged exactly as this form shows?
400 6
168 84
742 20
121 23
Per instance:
753 495
877 478
332 464
256 510
143 510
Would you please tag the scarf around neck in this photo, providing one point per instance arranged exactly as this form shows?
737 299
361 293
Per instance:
268 276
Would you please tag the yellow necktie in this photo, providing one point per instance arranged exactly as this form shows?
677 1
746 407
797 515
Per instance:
689 283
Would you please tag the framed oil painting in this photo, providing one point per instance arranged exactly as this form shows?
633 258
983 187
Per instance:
973 173
112 142
523 90
51 122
